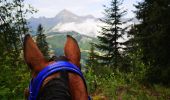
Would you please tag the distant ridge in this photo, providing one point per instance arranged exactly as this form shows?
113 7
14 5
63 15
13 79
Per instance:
63 19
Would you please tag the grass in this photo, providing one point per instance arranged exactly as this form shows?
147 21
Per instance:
121 86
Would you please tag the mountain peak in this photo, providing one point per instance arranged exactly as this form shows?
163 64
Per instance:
66 12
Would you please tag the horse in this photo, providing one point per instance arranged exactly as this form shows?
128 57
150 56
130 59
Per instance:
62 84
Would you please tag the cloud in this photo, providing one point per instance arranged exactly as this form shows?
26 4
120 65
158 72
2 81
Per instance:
88 27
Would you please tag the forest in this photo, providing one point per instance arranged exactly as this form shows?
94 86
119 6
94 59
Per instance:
135 69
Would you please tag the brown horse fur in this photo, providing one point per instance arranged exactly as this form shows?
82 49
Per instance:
36 62
72 51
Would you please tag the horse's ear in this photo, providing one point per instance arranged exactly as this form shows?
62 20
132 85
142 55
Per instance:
32 55
72 50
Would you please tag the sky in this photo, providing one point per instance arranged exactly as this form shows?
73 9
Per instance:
50 8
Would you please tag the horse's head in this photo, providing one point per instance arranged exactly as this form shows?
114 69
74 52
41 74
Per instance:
37 62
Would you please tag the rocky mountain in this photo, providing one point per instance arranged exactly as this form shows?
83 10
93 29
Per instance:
83 28
67 21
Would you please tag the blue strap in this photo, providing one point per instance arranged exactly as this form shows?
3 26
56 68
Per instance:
36 83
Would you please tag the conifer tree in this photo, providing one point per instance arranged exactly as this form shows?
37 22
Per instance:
92 61
111 33
41 41
152 38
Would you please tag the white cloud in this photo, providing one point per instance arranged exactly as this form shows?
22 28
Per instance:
88 27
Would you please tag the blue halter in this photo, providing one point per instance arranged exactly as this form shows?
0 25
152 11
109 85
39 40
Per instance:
36 83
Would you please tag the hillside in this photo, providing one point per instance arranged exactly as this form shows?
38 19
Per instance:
57 40
83 28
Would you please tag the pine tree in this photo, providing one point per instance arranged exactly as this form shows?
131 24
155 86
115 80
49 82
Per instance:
92 61
111 32
152 38
41 41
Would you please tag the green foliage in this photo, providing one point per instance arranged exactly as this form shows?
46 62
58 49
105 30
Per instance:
13 78
151 37
14 75
116 85
41 41
92 60
145 58
13 24
110 33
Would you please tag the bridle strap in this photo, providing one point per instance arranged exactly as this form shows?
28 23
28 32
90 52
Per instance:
36 83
